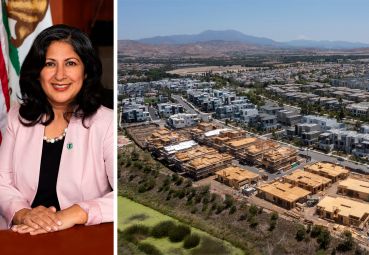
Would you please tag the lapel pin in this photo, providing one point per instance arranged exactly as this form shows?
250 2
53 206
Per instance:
69 146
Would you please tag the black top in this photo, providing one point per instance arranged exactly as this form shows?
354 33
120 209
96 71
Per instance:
49 169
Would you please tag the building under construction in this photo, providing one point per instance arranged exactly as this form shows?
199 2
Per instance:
253 153
183 157
344 211
206 165
279 159
306 180
236 177
283 194
235 147
354 188
163 142
329 170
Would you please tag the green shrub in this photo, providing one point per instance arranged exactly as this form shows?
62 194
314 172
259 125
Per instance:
162 229
274 216
228 201
179 181
233 209
175 177
149 249
138 164
178 233
191 241
300 234
324 239
220 209
188 183
315 231
272 225
253 222
181 193
253 210
135 233
147 169
347 243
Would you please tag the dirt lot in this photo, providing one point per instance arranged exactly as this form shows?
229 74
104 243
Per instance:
139 133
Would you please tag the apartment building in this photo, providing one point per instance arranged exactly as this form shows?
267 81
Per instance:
343 211
207 165
354 188
306 180
329 170
283 194
253 153
167 109
183 120
279 159
183 157
236 177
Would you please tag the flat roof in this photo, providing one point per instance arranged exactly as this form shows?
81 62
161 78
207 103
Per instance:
242 142
261 146
180 146
356 185
279 153
215 132
344 206
208 160
237 173
330 169
307 178
194 153
285 191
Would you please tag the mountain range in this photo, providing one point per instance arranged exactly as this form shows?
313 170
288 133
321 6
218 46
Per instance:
236 36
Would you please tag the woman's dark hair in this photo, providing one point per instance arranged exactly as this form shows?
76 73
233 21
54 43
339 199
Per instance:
35 108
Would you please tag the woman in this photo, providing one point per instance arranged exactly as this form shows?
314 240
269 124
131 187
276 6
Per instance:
56 159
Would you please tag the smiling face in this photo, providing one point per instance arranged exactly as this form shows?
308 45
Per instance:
62 76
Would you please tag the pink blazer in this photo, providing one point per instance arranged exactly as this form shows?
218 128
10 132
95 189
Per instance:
85 173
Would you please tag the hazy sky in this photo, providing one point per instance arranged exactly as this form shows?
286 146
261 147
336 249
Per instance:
280 20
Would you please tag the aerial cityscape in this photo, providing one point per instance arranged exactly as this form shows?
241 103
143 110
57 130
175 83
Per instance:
240 140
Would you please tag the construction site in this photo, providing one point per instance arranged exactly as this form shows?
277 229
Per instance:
232 162
236 177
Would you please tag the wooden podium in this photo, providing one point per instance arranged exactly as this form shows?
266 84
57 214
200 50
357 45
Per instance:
97 239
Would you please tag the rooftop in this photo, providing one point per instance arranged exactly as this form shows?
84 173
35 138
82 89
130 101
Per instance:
208 160
343 206
285 191
330 169
242 142
194 153
307 178
279 153
261 146
356 185
237 173
215 132
180 146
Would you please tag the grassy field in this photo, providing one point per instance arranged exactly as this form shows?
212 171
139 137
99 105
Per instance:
130 212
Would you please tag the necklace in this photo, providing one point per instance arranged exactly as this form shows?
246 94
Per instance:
55 139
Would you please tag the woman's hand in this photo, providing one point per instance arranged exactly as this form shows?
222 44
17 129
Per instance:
39 217
69 217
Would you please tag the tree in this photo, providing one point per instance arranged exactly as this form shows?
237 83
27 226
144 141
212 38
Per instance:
300 235
191 241
324 239
348 242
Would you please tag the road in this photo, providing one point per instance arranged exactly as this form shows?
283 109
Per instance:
153 113
188 108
